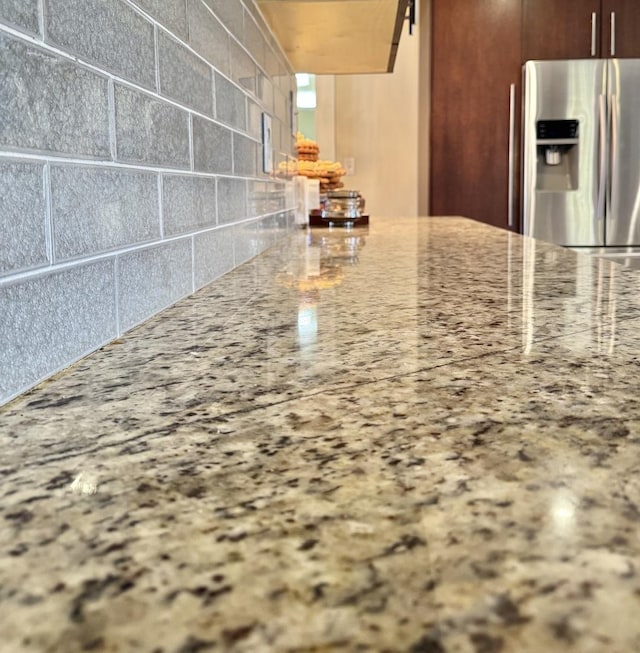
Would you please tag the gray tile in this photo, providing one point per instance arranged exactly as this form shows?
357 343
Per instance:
245 155
285 220
213 255
172 14
232 200
99 209
231 104
60 107
22 216
188 203
254 119
184 77
211 146
266 232
150 131
257 16
243 70
110 34
253 39
276 131
280 105
265 197
271 64
264 91
22 14
48 322
246 244
151 279
207 36
230 15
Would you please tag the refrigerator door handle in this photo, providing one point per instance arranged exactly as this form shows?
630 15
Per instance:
602 120
613 177
594 32
512 155
613 33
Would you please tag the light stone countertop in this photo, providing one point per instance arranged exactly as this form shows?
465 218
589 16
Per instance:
423 436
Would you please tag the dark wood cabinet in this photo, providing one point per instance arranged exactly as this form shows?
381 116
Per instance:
620 21
475 58
580 29
560 29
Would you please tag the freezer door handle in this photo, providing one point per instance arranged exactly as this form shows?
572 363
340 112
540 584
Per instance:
612 188
512 153
602 121
594 33
613 33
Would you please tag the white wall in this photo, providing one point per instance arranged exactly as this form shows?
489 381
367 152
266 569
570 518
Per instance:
375 121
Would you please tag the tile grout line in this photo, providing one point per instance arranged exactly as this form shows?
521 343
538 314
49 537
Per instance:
108 163
116 294
41 19
161 205
156 58
48 224
192 164
111 104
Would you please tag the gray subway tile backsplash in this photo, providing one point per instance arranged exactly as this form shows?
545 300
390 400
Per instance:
150 131
183 76
94 210
129 165
119 39
57 319
245 155
213 254
61 107
245 242
229 13
264 91
232 199
22 14
231 103
212 147
152 279
207 36
172 14
22 216
254 41
243 68
188 203
254 119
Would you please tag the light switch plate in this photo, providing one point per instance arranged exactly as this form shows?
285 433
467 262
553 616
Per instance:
267 146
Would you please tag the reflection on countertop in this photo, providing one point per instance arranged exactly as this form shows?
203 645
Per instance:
424 436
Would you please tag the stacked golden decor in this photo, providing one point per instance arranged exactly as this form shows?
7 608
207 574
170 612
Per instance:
329 173
307 149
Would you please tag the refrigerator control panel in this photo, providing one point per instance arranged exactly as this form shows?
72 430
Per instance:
557 129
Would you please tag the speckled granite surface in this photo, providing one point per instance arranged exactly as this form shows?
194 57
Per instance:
421 437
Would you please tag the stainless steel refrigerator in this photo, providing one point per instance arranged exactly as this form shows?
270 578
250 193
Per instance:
581 167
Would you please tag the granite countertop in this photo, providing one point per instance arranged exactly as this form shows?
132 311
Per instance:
420 436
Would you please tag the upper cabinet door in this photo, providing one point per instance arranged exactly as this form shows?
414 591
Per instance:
621 28
562 29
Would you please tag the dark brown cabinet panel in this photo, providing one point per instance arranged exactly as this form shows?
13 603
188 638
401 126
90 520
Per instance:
620 28
580 29
475 59
561 29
